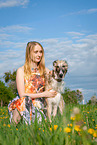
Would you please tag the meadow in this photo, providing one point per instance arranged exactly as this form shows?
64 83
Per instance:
77 126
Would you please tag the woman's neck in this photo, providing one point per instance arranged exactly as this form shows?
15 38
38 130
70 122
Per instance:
34 65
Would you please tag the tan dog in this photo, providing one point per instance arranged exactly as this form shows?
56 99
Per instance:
55 80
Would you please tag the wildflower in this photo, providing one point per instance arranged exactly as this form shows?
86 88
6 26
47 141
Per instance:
16 128
88 112
67 129
77 128
92 119
4 124
72 118
8 125
85 128
71 125
91 131
84 122
95 134
55 127
76 111
50 129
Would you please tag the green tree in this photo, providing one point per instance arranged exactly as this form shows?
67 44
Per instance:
10 79
6 94
72 97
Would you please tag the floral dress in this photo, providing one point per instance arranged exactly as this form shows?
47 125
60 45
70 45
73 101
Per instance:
27 107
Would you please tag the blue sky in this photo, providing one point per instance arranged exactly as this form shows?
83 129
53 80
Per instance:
67 30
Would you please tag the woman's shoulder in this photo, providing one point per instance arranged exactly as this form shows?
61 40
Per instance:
20 69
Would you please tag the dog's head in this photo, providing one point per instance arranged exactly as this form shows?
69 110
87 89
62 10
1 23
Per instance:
60 69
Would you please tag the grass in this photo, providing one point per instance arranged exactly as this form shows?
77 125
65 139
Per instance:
77 126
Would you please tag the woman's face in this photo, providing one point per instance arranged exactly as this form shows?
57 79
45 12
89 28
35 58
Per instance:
37 54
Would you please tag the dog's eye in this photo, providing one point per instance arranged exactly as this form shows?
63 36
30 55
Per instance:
57 66
63 66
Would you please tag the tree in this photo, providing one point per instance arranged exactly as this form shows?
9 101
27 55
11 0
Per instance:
6 94
72 97
10 79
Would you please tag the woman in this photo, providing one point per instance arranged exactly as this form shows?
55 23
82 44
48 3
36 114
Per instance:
30 82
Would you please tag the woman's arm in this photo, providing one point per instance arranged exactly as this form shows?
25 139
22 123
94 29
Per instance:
21 87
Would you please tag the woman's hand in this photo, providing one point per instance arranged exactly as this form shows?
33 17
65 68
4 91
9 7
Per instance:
49 94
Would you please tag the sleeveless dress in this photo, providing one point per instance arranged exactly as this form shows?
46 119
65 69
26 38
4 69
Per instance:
27 107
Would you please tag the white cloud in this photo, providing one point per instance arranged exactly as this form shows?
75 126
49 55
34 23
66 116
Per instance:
13 3
15 28
83 12
75 33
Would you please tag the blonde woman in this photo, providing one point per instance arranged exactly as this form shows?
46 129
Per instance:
30 82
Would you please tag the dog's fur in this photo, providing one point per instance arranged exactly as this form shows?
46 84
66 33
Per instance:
55 81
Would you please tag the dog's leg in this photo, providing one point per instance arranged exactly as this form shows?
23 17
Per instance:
49 111
55 110
61 105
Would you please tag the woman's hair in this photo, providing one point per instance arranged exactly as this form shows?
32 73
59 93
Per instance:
27 65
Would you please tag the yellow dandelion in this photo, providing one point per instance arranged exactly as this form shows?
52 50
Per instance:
77 128
95 134
92 119
8 125
67 129
72 118
95 127
88 112
16 128
43 130
68 124
91 131
50 129
71 125
55 127
4 124
84 122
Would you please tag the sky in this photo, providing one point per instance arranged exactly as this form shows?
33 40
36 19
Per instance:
67 29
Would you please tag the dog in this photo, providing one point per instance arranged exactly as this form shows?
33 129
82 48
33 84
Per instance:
55 80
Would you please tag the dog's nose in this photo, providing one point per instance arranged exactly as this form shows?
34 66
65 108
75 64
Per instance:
60 75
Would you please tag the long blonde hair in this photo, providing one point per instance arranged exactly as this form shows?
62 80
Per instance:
27 66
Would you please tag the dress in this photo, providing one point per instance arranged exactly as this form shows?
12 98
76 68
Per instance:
27 107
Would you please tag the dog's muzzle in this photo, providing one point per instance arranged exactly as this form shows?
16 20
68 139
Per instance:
60 75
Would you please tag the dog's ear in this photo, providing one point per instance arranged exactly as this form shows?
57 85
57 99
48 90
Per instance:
54 63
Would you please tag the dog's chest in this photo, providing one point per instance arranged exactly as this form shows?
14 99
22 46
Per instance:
55 100
57 86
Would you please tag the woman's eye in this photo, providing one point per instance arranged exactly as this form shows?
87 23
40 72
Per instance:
35 51
40 51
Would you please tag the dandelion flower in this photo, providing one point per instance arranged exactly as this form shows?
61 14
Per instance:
8 125
91 131
67 129
50 129
72 118
55 127
95 134
77 128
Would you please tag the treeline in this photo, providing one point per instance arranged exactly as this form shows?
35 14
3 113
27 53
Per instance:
8 91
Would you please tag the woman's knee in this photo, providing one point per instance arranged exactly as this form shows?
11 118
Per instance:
16 116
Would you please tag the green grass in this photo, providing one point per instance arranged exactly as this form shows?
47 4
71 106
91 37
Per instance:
77 127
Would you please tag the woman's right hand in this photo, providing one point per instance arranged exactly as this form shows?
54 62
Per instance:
50 94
